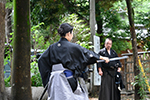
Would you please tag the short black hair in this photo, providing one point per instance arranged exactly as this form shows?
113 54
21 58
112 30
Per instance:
65 28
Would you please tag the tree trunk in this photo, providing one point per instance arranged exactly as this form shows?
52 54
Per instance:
99 21
92 30
21 81
100 29
100 26
134 45
2 46
92 19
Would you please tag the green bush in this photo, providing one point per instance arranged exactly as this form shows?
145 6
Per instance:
35 74
7 81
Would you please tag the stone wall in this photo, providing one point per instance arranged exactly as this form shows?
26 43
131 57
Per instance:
36 93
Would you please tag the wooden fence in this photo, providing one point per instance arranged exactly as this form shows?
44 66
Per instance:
128 68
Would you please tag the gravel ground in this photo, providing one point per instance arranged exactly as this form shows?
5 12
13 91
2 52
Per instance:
123 97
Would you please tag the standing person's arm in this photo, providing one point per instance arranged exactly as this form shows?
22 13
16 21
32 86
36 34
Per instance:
104 58
100 72
93 57
44 66
106 61
99 65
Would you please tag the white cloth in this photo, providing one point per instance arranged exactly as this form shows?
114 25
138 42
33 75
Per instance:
59 87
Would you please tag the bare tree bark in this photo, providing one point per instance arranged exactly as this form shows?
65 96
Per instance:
92 19
2 46
21 79
134 46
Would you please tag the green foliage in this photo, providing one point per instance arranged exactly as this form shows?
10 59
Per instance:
147 44
38 43
47 11
115 25
8 50
142 21
116 20
7 55
7 81
7 58
106 4
35 75
113 14
85 44
121 45
37 37
42 38
36 27
140 79
9 4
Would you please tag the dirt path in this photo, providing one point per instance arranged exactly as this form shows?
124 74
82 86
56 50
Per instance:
123 97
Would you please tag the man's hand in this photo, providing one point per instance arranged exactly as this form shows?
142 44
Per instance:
119 69
100 71
105 58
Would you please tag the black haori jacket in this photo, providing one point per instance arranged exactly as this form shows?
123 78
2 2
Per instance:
72 56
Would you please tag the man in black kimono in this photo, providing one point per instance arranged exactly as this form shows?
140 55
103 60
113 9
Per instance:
61 65
108 88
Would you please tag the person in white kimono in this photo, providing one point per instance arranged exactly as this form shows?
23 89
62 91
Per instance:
62 64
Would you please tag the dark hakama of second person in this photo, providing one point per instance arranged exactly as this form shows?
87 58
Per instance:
108 89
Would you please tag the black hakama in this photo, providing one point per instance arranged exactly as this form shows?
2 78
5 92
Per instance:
108 89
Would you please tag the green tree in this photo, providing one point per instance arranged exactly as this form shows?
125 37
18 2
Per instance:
134 46
104 14
142 18
47 11
8 21
21 82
